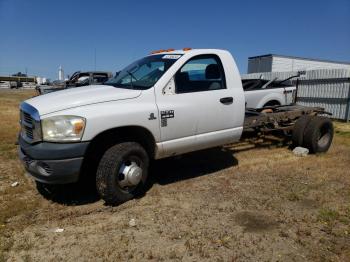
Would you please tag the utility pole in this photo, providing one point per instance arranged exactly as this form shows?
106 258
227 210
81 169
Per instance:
95 59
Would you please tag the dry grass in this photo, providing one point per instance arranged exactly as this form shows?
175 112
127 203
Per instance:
236 204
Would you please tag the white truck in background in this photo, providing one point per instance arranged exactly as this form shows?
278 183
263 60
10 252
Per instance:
77 79
261 93
165 104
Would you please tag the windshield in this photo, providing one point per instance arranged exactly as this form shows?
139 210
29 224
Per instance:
143 73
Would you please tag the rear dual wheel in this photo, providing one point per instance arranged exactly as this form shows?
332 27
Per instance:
313 132
319 134
299 130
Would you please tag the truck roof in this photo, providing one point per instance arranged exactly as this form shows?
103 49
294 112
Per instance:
186 51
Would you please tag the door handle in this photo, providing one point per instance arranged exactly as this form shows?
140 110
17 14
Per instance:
226 100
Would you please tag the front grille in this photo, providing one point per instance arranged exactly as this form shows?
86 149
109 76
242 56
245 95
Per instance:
29 132
27 118
30 123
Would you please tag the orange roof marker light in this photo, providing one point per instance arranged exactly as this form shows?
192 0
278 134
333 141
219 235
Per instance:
187 49
162 51
157 51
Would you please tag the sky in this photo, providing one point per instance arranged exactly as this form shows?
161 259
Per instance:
38 36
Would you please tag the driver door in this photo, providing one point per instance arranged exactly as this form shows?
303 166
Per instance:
199 113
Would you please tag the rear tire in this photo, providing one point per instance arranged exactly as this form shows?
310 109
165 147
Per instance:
299 130
319 134
112 183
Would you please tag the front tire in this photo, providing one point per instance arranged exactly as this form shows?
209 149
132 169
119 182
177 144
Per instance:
122 173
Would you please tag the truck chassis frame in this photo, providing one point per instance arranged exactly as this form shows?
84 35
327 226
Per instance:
278 117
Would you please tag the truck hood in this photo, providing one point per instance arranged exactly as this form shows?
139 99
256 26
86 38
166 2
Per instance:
80 96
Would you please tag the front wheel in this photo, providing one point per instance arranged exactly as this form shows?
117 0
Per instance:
122 173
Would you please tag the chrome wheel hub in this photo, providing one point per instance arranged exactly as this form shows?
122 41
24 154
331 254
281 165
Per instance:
129 175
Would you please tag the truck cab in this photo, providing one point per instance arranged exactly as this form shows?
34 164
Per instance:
167 103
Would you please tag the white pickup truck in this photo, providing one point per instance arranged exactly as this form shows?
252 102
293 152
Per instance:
165 104
266 93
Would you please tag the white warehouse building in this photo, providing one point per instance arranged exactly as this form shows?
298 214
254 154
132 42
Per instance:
282 63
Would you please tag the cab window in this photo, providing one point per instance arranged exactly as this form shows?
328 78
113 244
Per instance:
200 73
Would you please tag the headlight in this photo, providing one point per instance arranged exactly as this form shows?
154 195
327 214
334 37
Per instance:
63 128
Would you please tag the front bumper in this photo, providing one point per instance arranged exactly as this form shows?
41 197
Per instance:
52 163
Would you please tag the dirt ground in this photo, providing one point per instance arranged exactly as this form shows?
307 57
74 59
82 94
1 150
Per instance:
247 202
